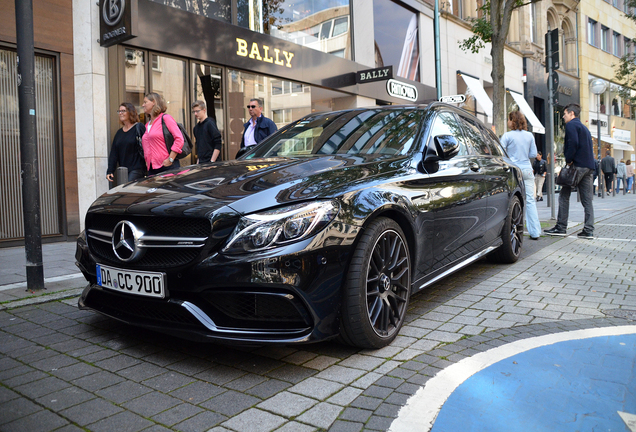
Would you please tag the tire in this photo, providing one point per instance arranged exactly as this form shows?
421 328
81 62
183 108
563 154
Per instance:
377 287
512 235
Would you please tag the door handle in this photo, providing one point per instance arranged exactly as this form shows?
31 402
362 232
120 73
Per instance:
474 166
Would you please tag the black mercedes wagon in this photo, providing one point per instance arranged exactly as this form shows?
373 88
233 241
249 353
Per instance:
323 230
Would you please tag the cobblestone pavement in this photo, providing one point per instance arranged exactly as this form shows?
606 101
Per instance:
65 369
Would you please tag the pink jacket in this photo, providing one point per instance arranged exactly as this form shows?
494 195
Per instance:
155 151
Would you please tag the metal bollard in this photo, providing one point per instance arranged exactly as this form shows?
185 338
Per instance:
121 176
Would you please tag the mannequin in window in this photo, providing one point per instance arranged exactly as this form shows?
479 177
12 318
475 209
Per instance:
615 109
602 108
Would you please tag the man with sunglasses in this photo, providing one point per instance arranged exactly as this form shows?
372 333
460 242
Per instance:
258 126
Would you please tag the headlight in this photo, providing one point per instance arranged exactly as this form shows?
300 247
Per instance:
281 226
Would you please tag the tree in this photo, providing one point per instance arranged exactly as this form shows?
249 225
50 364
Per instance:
492 27
626 67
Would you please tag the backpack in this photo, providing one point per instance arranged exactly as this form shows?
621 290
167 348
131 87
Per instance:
169 139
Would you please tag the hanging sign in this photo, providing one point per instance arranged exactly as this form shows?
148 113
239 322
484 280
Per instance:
401 90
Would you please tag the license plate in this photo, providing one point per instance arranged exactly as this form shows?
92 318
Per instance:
148 284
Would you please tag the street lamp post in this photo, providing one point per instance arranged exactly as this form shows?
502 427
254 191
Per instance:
598 87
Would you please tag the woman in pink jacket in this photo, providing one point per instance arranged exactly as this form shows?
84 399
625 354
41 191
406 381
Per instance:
158 159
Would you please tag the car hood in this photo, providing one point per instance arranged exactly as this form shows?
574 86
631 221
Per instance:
197 190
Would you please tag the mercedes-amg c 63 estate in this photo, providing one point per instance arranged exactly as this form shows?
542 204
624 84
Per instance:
323 230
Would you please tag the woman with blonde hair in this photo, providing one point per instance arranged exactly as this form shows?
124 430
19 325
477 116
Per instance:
520 146
158 157
126 150
629 172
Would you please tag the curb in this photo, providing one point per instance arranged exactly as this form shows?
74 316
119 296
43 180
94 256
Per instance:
40 299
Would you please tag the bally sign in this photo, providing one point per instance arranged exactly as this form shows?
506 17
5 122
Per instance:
118 21
401 90
371 75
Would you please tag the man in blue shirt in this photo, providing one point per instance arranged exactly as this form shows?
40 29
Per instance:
258 126
579 152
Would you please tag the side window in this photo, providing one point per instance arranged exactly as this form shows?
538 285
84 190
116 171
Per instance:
475 137
446 124
493 142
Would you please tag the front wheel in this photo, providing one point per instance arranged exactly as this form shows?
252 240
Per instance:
377 287
512 235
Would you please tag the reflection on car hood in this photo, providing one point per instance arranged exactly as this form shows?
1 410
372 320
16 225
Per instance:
199 189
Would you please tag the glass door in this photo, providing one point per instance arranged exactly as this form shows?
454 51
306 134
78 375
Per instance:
207 87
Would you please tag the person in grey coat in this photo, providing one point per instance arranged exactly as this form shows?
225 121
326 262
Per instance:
621 175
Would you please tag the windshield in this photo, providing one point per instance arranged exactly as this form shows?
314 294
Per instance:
381 132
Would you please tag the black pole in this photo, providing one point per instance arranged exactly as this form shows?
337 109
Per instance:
29 145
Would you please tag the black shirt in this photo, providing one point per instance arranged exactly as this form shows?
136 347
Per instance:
208 139
124 151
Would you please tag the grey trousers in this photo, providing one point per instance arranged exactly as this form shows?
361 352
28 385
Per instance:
585 192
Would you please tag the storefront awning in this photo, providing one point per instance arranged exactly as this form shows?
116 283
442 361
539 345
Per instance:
477 90
537 127
616 144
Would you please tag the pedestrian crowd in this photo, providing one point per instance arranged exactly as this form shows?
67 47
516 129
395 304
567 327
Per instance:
157 146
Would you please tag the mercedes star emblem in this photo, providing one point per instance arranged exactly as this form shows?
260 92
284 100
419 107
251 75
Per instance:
126 241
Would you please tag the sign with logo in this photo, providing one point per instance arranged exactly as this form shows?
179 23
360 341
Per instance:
377 74
401 90
264 53
622 135
453 99
117 21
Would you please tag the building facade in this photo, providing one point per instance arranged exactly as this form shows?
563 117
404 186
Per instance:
55 107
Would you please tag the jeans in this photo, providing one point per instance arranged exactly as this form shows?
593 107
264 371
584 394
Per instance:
630 182
620 180
585 191
538 184
135 174
532 216
174 165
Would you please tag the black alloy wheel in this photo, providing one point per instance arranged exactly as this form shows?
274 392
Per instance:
512 235
378 287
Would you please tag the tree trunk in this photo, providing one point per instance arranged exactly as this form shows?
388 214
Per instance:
499 87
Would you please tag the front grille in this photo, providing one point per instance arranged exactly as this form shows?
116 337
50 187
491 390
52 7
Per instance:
140 310
161 251
262 310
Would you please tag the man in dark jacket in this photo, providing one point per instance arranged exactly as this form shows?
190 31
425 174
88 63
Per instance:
539 168
579 153
258 126
608 166
206 134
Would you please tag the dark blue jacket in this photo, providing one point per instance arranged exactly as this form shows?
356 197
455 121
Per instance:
264 128
578 146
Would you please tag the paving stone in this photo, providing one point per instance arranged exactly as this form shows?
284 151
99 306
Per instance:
151 404
90 411
346 426
15 409
168 381
117 362
123 392
200 422
295 427
254 420
321 415
355 414
197 392
36 389
64 398
141 372
366 402
345 396
123 421
41 421
97 381
320 362
220 374
287 404
230 403
341 374
316 388
177 414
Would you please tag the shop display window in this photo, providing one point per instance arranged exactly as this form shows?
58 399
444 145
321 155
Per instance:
396 39
218 9
323 25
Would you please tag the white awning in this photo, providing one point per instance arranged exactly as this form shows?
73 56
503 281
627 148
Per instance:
616 144
537 127
477 90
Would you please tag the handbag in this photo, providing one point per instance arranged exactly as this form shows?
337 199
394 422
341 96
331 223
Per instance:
568 176
169 139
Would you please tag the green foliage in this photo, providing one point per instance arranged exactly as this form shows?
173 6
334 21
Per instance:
626 67
482 30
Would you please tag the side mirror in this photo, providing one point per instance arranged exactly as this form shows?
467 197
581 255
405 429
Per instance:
447 146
